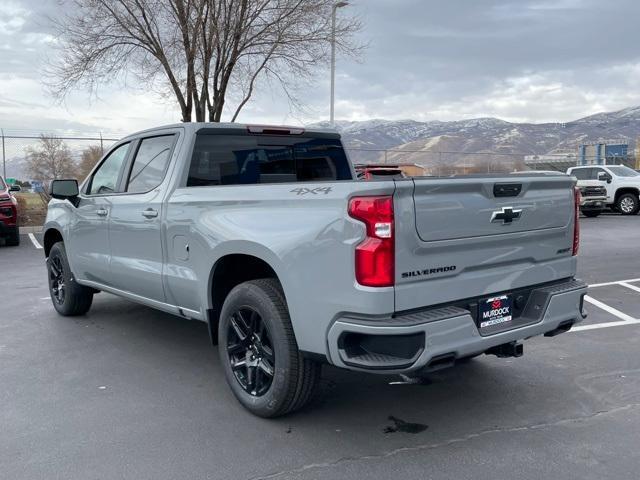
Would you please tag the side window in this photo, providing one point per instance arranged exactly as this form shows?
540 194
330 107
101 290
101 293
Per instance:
105 178
582 173
595 172
150 163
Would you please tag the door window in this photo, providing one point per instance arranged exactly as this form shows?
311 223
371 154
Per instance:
105 179
150 163
595 172
582 173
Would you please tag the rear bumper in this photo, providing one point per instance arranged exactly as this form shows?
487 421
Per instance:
424 337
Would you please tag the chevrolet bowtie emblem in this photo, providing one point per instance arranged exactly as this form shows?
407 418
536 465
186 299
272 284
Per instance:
506 215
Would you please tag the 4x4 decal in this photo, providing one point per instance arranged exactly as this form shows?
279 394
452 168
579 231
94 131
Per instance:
313 191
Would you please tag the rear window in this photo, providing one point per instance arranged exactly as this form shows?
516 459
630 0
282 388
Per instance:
245 159
623 171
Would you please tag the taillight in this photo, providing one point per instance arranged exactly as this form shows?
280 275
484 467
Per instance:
376 253
576 222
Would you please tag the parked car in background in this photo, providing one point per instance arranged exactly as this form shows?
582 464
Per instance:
264 234
9 214
389 170
621 183
376 172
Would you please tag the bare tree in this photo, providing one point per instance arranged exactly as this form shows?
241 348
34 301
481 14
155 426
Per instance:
203 53
49 160
88 159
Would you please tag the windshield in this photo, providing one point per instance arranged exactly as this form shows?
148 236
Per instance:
2 184
622 171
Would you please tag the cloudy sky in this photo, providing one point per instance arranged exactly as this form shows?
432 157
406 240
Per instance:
519 60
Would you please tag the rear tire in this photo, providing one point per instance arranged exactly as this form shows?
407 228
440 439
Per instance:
13 239
591 213
68 297
255 338
628 204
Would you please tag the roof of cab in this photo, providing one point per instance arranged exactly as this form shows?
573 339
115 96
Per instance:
235 128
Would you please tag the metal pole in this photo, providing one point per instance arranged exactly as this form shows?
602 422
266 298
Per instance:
335 7
101 146
4 160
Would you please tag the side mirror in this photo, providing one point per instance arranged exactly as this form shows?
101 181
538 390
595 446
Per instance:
14 188
65 189
604 177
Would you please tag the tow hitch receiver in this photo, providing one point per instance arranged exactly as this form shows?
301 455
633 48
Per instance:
506 350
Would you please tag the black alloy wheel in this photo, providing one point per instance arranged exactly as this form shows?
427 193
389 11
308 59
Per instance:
250 351
56 280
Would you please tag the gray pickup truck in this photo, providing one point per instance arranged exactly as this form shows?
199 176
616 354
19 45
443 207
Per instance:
265 234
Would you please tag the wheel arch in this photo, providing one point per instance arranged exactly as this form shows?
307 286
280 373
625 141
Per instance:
227 272
622 190
51 236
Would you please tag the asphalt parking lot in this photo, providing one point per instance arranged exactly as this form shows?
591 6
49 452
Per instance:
129 392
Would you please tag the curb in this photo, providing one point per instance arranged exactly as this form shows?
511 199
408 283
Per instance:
26 230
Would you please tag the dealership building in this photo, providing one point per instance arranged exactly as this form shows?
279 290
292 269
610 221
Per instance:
602 153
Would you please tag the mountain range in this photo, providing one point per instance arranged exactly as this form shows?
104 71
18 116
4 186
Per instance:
478 142
471 140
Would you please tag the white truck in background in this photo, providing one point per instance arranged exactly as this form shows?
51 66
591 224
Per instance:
621 183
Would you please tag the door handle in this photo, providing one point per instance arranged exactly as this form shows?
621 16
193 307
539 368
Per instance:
102 212
149 213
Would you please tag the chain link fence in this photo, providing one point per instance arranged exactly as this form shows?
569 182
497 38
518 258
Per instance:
18 147
443 163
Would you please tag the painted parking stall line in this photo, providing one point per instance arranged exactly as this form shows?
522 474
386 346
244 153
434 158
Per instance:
34 240
625 319
613 311
630 287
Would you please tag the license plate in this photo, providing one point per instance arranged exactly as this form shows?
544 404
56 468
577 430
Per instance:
495 311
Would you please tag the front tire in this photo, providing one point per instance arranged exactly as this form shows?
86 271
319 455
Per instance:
68 297
628 204
259 353
13 239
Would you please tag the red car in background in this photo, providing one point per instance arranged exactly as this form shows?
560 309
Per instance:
8 214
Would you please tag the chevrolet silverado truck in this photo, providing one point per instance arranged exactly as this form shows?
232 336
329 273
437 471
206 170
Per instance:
265 234
622 185
593 197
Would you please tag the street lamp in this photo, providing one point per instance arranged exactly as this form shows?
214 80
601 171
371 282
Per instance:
335 7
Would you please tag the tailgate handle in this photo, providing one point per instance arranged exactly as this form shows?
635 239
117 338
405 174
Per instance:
507 189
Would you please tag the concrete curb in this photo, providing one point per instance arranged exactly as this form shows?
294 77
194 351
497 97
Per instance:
26 230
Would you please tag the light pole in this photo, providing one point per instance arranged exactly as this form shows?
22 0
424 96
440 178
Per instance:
335 7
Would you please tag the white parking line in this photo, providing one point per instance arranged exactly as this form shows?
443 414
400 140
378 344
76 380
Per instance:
631 287
35 242
618 282
608 309
596 326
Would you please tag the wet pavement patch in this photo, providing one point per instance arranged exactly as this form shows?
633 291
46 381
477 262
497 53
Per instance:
404 427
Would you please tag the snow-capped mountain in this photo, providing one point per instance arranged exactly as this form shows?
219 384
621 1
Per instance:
482 135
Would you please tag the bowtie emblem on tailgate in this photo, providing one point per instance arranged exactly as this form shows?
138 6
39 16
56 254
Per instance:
507 215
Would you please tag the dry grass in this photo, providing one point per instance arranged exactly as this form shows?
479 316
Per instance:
32 209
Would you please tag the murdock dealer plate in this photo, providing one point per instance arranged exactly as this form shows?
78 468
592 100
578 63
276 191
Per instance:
495 311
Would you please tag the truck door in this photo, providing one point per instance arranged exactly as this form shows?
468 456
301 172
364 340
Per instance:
89 249
135 221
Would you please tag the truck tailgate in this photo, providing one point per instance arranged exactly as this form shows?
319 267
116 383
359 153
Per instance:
463 237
